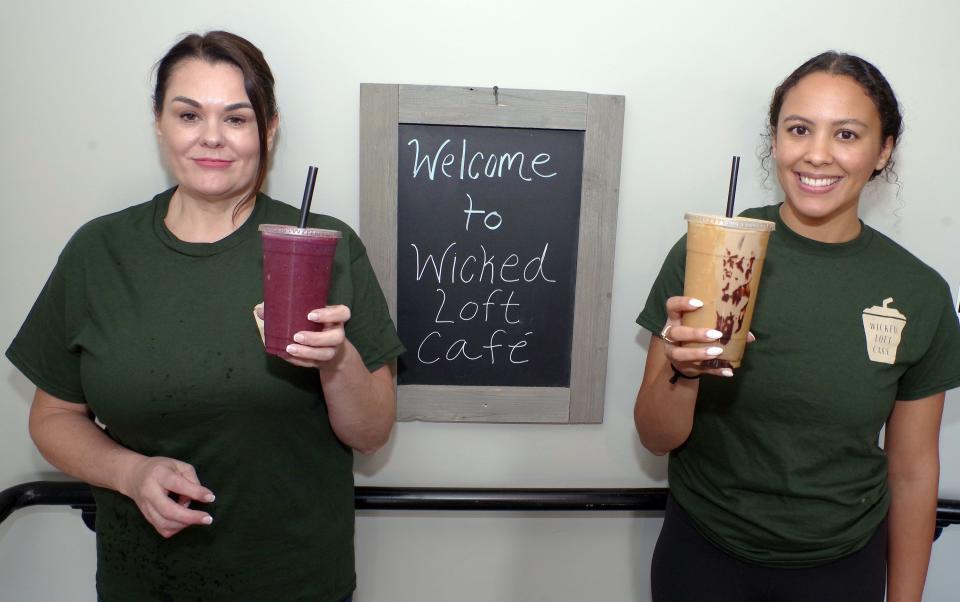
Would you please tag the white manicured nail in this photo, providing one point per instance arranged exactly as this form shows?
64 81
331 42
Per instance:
695 303
292 349
298 337
313 317
208 520
727 372
714 350
714 334
210 499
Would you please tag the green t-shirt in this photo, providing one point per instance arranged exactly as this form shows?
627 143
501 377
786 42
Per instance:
157 336
783 466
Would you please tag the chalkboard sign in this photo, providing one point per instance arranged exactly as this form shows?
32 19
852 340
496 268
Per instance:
489 216
486 254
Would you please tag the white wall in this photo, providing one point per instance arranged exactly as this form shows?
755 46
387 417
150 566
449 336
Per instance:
77 142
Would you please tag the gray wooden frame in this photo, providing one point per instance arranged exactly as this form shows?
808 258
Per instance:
382 108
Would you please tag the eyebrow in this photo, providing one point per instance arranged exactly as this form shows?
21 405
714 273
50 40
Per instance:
230 107
841 122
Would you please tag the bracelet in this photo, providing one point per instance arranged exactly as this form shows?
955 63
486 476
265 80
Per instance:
678 375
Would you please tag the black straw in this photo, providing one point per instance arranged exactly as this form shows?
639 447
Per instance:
307 195
732 193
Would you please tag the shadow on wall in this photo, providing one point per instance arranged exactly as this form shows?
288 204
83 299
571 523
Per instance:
951 411
644 534
21 386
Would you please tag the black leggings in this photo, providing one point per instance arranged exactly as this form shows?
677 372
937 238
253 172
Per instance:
688 568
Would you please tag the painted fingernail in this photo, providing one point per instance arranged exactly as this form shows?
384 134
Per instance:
726 372
313 316
298 337
210 498
714 350
695 303
208 520
714 334
292 349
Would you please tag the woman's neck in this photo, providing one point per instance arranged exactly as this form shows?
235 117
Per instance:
838 227
195 220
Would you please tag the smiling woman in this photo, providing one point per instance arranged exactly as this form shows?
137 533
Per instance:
828 143
779 488
225 50
208 131
223 473
216 116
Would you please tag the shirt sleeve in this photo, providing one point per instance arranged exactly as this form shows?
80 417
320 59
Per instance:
44 349
669 283
370 329
939 368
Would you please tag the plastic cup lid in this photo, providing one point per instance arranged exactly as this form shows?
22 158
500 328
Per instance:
283 230
734 223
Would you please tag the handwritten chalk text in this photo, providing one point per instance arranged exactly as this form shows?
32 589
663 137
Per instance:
489 165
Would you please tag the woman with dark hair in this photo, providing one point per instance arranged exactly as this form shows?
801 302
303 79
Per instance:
779 487
222 473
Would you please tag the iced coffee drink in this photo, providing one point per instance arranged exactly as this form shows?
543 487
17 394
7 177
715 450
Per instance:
724 261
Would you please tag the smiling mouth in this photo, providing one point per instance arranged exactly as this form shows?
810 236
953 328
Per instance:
208 162
823 182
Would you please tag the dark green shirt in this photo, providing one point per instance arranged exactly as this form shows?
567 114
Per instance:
783 466
157 336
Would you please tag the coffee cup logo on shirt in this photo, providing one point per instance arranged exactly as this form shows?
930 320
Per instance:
883 328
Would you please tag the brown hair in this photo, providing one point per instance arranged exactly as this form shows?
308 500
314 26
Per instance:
225 47
874 84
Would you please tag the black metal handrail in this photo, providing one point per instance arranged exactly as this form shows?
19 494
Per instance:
79 496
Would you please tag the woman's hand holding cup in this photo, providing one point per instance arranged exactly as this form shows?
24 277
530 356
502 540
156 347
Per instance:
689 361
322 348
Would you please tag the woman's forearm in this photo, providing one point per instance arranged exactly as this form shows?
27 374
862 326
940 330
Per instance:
70 440
912 521
911 443
663 412
362 405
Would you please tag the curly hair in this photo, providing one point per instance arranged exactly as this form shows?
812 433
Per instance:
874 84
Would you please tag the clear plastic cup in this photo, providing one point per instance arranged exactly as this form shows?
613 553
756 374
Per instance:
297 265
724 262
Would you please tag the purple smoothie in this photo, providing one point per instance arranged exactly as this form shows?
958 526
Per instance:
297 263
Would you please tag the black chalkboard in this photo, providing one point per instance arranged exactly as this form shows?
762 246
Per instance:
487 231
